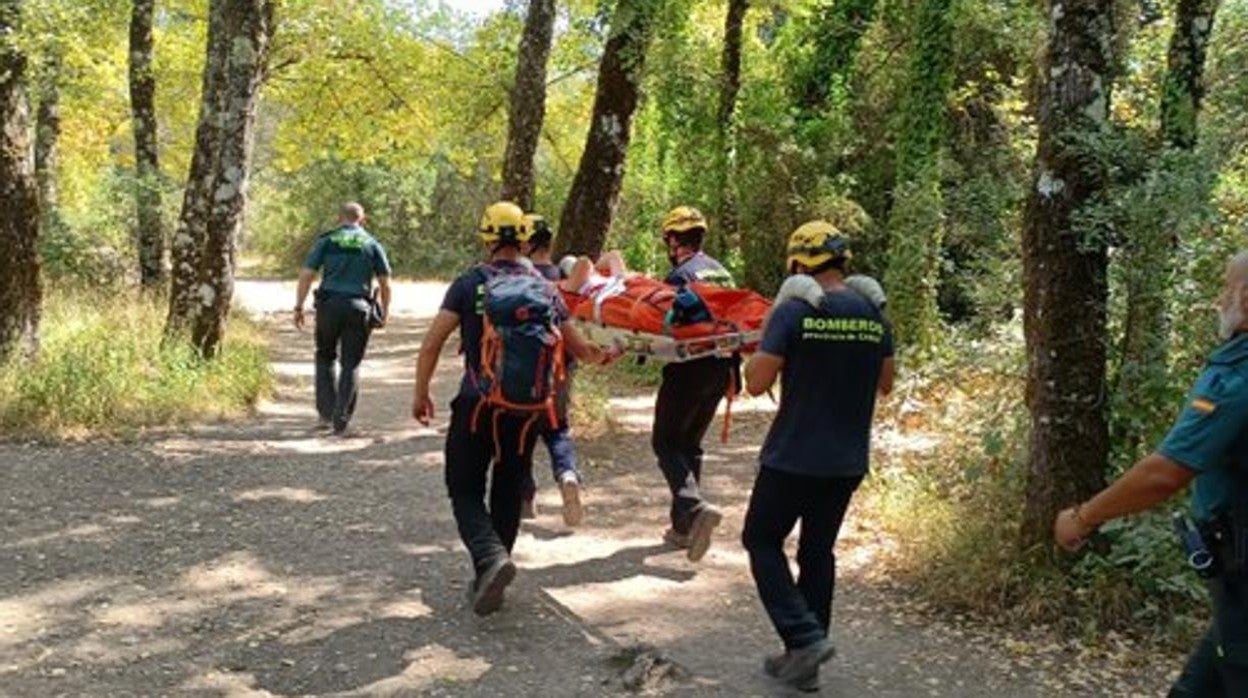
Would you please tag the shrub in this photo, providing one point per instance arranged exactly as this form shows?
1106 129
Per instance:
104 370
949 492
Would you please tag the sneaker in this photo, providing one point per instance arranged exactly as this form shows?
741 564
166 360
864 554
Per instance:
528 510
679 541
800 667
704 523
487 590
570 490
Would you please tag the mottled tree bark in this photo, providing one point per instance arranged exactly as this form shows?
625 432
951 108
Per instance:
730 87
151 234
528 104
48 134
239 36
1150 275
192 229
591 204
1064 266
20 290
1184 86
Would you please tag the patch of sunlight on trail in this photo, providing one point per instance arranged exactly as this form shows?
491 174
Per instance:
264 297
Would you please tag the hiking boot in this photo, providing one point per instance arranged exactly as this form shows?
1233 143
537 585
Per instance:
487 590
704 523
343 430
775 663
570 490
679 541
528 509
800 667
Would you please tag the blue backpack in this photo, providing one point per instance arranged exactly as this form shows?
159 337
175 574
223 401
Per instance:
522 351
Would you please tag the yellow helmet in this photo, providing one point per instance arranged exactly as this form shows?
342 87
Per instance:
683 219
504 222
816 243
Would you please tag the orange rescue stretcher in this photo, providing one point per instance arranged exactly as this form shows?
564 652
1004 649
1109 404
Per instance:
633 316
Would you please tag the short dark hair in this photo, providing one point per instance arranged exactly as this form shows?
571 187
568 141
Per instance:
542 239
693 237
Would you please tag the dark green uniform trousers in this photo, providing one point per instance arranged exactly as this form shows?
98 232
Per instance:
1218 668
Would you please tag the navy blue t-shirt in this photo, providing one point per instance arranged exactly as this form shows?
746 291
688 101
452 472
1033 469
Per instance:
348 258
700 268
832 361
466 298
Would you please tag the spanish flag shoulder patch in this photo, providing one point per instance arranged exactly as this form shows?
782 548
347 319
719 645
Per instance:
1203 405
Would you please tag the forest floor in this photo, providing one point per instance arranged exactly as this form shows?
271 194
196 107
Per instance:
261 559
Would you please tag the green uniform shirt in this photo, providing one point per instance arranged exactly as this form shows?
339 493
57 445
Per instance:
1211 435
349 258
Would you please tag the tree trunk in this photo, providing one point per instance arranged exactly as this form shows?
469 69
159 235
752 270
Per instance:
916 229
239 33
730 87
1184 86
1064 267
835 32
595 192
528 104
151 234
20 291
1149 259
48 134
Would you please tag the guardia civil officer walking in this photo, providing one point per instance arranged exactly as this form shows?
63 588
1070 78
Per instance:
348 259
479 436
834 351
689 394
1208 444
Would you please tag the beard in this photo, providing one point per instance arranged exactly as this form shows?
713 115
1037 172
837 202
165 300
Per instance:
1229 320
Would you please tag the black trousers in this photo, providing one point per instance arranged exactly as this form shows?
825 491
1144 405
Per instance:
684 410
801 611
488 532
341 340
1218 667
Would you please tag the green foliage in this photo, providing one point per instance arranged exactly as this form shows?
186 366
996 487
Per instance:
953 507
104 371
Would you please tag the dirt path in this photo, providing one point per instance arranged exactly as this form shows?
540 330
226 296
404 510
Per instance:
259 559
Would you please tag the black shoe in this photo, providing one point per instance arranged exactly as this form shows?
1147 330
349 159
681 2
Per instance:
775 663
345 431
800 667
487 590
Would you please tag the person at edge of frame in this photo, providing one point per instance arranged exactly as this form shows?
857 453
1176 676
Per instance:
559 443
834 353
489 533
349 259
1208 444
689 395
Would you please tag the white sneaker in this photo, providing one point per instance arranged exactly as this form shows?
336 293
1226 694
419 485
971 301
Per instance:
570 490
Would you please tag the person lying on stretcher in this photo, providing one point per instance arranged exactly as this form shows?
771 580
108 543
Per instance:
585 277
